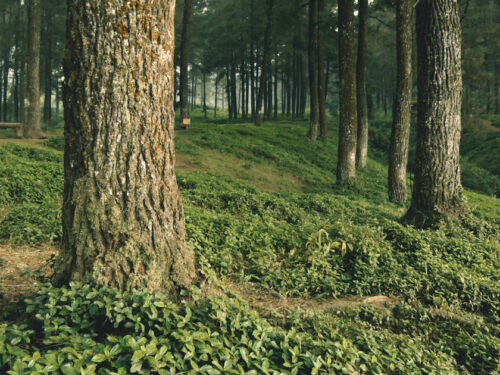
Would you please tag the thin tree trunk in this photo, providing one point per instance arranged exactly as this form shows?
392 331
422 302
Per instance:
346 165
327 78
184 76
234 98
276 86
47 103
294 83
323 127
400 135
303 88
216 95
33 128
362 144
268 115
313 69
5 82
265 59
123 221
205 95
5 87
436 192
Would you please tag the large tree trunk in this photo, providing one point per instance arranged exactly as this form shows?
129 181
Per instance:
313 69
323 126
436 192
346 165
362 145
400 135
123 221
265 59
33 127
184 78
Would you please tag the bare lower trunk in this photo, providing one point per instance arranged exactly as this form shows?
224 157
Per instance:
123 222
400 135
436 192
346 166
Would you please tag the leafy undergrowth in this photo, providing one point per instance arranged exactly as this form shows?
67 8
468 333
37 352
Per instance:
80 330
310 240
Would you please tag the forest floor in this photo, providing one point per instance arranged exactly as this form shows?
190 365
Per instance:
270 228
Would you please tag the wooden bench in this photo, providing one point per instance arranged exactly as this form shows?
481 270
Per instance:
13 125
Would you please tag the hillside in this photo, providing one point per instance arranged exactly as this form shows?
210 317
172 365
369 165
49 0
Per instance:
301 276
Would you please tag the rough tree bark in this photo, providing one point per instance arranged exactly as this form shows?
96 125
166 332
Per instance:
362 145
312 54
400 135
265 59
184 77
346 165
123 221
436 192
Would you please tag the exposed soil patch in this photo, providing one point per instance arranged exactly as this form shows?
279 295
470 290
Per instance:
21 267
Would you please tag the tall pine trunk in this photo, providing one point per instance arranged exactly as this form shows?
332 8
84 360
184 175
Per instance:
400 135
362 144
33 127
123 221
346 165
436 192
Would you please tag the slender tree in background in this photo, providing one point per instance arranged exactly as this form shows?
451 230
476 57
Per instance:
313 69
184 78
47 100
401 122
123 221
346 166
362 145
323 127
265 58
436 192
33 126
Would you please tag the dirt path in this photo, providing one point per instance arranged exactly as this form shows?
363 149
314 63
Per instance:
263 299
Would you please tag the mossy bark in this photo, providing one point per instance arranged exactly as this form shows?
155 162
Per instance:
123 221
437 188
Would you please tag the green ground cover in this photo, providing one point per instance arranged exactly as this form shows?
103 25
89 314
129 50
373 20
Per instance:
261 207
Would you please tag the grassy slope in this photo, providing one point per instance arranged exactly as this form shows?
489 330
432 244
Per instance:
261 207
